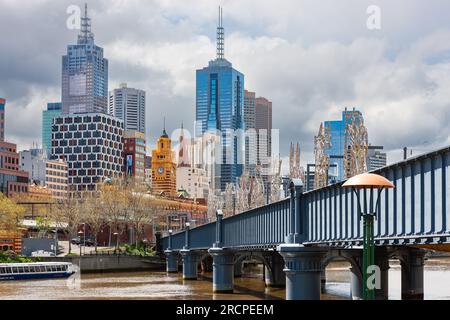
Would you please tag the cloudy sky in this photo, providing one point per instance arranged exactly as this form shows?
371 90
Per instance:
311 58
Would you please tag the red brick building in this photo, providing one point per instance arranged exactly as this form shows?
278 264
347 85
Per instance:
134 153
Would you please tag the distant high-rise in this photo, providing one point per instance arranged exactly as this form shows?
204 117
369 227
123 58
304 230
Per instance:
2 119
220 108
376 158
263 126
336 152
84 74
250 136
53 111
128 104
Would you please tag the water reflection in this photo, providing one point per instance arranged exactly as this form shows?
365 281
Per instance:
159 285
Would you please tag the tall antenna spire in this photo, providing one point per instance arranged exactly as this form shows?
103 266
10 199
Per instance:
220 36
85 31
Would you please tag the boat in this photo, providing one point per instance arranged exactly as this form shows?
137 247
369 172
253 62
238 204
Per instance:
36 270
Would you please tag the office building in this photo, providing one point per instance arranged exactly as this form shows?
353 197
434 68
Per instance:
84 74
134 153
128 104
2 119
53 111
51 174
338 139
220 111
12 179
251 141
376 158
92 146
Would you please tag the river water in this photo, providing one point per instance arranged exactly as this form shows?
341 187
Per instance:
159 285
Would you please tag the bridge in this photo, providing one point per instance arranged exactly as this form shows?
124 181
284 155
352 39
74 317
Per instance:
297 237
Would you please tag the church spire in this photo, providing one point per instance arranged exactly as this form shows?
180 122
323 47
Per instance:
220 37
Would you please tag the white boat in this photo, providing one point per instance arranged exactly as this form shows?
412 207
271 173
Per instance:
36 270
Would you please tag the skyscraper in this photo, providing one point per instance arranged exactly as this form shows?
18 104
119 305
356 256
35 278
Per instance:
128 104
250 133
92 146
220 109
2 119
53 111
84 74
263 126
336 152
376 158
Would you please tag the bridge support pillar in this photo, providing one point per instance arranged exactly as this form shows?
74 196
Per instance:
238 269
190 264
356 284
275 276
223 269
303 268
382 261
412 274
323 280
171 261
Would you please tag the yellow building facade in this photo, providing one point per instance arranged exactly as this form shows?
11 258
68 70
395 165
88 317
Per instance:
164 179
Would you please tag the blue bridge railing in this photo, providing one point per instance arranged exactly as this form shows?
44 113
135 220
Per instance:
417 211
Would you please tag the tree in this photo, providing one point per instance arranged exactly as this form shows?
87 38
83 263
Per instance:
113 202
94 214
10 213
140 210
68 211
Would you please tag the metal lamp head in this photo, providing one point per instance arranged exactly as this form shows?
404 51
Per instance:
170 231
367 183
188 224
219 212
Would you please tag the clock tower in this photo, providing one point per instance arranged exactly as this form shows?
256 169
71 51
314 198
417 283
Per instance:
164 178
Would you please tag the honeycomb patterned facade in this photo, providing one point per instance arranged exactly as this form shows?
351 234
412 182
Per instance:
92 146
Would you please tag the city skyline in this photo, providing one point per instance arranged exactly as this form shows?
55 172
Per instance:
416 66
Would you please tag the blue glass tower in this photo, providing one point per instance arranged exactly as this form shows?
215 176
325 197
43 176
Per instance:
84 74
336 152
53 111
220 109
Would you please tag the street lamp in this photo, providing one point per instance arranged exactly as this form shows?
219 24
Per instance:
79 234
117 240
368 183
84 237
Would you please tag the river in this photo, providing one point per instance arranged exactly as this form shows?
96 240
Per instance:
159 285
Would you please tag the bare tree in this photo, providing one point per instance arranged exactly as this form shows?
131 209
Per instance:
94 214
113 202
140 210
68 212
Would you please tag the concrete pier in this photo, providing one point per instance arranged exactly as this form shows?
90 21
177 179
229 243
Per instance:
223 270
412 265
190 264
303 269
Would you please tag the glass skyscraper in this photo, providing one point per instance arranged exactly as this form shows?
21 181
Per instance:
84 74
53 111
336 152
2 119
220 108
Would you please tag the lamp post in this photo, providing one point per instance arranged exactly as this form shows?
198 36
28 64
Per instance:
368 183
79 234
117 240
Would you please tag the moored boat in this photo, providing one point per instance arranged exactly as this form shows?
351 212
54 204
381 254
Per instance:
36 270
